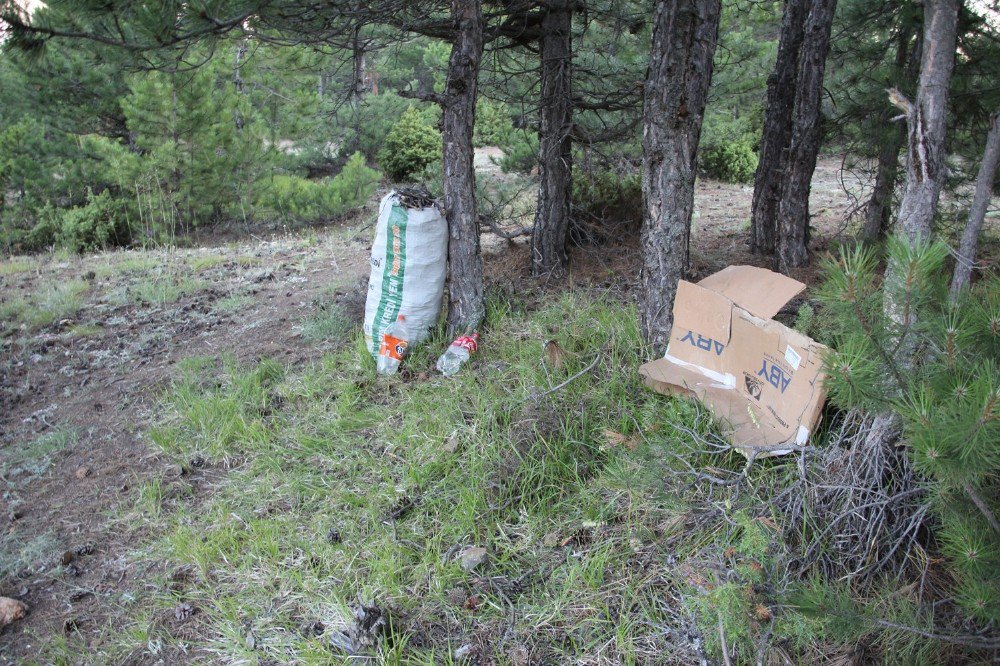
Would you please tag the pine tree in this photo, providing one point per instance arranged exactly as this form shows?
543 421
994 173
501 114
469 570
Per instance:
185 127
947 394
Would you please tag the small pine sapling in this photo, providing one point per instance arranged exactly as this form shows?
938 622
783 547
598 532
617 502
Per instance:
934 364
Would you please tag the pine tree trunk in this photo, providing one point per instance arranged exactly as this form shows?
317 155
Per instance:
925 121
466 307
241 53
977 214
925 167
777 128
548 240
793 209
685 34
359 62
878 210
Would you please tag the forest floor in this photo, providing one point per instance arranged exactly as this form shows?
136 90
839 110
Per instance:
197 464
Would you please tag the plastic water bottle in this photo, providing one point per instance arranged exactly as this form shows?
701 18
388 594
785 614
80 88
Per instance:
457 353
393 346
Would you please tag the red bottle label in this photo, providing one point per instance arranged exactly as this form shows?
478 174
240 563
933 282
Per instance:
468 342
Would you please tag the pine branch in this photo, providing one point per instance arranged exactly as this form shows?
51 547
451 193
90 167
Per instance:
981 504
886 357
216 27
968 640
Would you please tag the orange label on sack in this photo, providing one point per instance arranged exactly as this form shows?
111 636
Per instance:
392 347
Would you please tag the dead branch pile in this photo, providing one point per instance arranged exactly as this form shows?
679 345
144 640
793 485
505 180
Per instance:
852 509
856 509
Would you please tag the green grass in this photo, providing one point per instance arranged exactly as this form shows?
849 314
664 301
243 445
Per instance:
332 484
329 325
58 301
52 302
13 310
63 255
246 261
335 448
85 330
16 265
126 263
164 289
233 303
206 261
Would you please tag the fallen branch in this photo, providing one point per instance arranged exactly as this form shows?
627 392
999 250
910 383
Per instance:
974 641
499 231
570 380
722 640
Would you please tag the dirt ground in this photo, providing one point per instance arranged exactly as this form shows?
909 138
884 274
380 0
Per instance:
97 373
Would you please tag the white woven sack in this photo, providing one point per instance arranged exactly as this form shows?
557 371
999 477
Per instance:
409 263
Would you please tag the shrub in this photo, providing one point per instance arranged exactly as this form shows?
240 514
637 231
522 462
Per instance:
732 161
606 203
938 373
102 222
520 152
307 200
370 122
432 177
493 124
412 144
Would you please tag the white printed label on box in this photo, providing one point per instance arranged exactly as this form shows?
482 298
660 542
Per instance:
792 357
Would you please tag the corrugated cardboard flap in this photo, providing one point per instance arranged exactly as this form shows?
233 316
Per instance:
703 311
750 433
759 291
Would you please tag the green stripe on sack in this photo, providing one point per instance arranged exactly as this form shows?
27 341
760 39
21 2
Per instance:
392 285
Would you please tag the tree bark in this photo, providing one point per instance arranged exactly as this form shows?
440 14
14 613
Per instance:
777 128
241 53
466 307
878 211
977 214
358 46
925 167
793 208
925 122
685 33
548 240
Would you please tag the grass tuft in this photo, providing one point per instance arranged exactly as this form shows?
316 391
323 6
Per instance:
206 261
164 289
16 265
48 305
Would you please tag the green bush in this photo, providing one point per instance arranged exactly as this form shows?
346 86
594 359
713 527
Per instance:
520 152
732 161
46 230
307 200
608 195
368 124
412 144
493 125
102 222
939 373
606 203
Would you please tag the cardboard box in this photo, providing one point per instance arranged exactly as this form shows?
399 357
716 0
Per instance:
763 380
